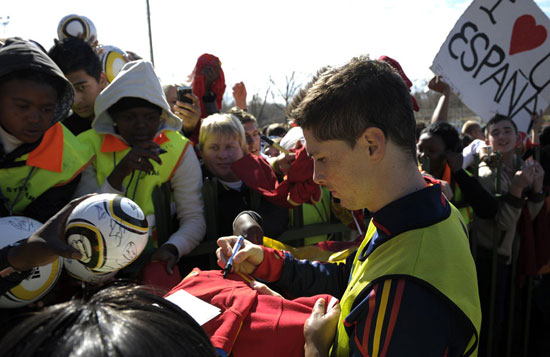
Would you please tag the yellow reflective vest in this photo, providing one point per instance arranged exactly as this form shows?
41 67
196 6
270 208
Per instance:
439 255
139 186
56 161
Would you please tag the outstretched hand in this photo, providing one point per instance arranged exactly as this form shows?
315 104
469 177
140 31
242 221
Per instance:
47 243
437 85
239 94
282 163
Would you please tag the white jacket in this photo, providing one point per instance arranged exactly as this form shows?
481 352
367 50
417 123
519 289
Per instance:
138 79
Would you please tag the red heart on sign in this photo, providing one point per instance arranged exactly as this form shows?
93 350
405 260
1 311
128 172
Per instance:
526 35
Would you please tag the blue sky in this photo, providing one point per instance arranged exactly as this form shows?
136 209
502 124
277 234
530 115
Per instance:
255 40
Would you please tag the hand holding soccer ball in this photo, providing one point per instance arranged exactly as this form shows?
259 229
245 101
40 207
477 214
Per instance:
109 230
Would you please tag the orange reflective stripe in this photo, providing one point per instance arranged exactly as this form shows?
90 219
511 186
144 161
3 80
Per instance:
447 174
49 154
161 139
178 162
112 143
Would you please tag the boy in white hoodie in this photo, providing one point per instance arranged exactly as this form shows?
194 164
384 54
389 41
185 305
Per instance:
138 148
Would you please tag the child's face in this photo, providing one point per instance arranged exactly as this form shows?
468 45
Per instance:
218 153
137 124
86 88
433 147
27 108
252 137
503 137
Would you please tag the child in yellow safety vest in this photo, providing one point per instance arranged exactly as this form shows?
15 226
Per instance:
40 160
139 152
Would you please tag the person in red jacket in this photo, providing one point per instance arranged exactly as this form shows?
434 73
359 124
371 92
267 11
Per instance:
208 83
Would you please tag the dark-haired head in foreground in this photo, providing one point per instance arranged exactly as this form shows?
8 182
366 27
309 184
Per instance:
116 321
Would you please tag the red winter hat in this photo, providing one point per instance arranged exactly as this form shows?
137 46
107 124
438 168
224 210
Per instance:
395 65
218 87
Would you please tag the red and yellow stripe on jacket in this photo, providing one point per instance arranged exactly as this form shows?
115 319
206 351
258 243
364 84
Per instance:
423 254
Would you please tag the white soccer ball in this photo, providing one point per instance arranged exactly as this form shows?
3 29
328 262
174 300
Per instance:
73 25
41 279
79 271
109 230
112 60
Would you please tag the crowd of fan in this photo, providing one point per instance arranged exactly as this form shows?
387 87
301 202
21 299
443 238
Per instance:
66 132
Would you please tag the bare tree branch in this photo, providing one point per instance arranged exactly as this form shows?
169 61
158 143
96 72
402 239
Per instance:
265 100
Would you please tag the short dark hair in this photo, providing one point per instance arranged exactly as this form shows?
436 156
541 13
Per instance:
447 133
275 129
497 119
363 93
116 321
297 99
73 54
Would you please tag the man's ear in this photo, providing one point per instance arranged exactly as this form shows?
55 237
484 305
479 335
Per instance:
103 80
374 141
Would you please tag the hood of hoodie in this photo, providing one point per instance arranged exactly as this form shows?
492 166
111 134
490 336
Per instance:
18 54
136 79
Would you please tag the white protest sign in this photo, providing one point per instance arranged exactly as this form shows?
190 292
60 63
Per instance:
497 59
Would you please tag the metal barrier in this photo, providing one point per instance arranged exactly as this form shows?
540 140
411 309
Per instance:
519 298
